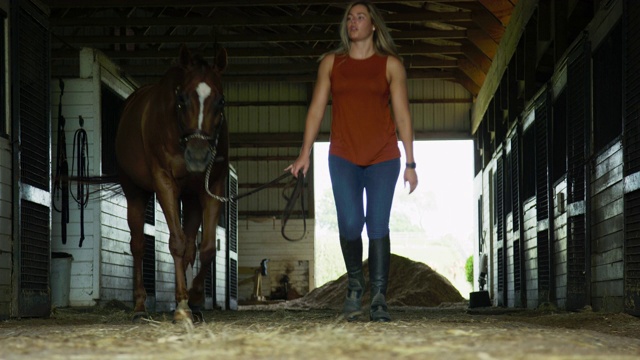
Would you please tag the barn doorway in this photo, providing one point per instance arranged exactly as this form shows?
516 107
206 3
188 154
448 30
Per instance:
435 225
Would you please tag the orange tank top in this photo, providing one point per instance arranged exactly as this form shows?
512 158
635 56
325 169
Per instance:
362 130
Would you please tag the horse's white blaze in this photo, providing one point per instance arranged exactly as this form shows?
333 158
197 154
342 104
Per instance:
203 91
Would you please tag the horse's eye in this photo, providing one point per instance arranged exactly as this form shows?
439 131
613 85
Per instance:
181 101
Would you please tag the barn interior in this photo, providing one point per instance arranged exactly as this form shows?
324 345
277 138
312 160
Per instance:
537 86
273 48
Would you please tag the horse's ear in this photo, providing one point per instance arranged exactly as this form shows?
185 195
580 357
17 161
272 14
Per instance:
185 56
221 59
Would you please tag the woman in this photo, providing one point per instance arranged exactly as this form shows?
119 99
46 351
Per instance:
360 76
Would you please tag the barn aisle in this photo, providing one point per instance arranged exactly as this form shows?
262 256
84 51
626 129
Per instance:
447 332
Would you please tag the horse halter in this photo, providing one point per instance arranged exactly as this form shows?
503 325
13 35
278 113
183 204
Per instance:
213 140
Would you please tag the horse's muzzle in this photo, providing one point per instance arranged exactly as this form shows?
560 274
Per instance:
197 155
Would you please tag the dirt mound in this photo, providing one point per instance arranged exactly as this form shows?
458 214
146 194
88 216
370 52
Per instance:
410 284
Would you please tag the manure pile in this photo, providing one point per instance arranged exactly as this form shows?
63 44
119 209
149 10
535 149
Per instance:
411 283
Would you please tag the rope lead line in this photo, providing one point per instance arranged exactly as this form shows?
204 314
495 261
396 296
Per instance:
297 192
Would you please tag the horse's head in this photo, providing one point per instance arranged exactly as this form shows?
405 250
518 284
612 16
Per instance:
199 103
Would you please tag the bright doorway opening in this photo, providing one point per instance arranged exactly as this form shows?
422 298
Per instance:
434 225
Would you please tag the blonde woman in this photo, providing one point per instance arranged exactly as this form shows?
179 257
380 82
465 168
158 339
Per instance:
361 76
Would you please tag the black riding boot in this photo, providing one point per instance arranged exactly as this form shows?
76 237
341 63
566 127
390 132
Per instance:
352 253
379 258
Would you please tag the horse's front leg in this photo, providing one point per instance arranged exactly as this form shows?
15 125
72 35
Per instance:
211 213
168 199
136 204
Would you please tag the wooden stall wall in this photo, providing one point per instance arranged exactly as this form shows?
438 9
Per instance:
560 243
261 239
77 101
529 210
5 228
6 203
607 231
489 229
531 252
606 177
631 150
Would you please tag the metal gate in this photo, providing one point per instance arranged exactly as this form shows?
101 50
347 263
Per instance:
232 241
501 251
31 129
543 203
578 135
519 286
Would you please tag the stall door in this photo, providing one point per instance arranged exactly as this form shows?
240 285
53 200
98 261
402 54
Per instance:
31 129
578 250
232 242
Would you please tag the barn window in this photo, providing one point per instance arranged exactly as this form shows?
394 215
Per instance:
607 89
4 101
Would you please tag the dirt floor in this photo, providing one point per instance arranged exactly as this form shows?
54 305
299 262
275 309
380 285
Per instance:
311 328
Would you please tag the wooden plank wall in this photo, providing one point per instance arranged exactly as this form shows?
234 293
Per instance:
6 226
607 237
221 268
78 100
531 251
510 259
261 239
116 266
560 242
489 229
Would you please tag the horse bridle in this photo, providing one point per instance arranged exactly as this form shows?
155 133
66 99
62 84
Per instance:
212 140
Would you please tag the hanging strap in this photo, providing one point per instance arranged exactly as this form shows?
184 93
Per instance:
80 151
61 180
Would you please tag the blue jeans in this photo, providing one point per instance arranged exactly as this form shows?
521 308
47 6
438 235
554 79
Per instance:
349 182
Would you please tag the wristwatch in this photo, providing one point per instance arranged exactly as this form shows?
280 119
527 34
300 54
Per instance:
411 165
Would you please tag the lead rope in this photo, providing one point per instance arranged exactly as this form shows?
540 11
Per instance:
286 214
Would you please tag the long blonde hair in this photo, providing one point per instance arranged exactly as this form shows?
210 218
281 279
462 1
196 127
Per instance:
382 40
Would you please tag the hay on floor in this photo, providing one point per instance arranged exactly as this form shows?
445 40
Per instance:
411 283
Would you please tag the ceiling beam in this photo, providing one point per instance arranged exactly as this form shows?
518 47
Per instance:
240 38
260 52
191 3
522 13
232 21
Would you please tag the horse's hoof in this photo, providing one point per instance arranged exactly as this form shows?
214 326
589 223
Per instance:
181 315
198 317
196 311
139 316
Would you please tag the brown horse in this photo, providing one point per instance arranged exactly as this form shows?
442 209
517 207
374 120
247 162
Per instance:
171 140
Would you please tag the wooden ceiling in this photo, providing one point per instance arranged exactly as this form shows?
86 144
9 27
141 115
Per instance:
276 40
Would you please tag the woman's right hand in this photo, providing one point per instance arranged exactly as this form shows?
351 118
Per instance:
301 164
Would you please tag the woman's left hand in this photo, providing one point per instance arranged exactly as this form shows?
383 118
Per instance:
411 177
